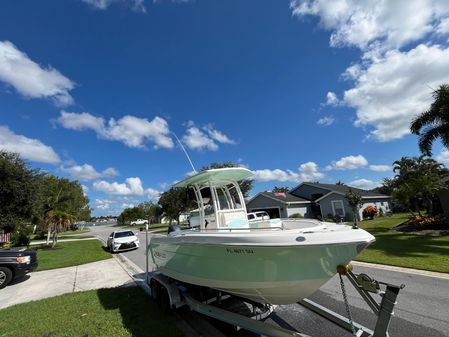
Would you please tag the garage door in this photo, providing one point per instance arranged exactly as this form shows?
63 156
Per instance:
272 212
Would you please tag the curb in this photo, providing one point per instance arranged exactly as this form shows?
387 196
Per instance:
402 270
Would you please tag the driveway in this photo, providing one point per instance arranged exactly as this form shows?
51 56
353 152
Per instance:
422 309
42 284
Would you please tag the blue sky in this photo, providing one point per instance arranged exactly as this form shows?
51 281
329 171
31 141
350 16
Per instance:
295 91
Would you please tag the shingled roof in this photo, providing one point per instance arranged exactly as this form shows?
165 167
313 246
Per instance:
344 189
284 197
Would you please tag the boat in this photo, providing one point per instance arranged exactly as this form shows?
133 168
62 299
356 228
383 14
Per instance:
275 261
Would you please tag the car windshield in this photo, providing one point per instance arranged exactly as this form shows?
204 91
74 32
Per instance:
123 234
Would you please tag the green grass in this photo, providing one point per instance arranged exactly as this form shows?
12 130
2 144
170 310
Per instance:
66 237
118 312
404 250
67 254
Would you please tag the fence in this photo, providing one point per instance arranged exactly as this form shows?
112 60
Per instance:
5 237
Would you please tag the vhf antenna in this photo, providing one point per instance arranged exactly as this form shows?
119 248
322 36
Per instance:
185 152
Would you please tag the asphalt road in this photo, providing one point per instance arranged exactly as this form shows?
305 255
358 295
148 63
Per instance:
422 309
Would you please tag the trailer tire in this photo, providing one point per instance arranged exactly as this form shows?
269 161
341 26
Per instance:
164 300
154 286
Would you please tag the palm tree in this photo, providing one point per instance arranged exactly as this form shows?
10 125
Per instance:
57 221
433 123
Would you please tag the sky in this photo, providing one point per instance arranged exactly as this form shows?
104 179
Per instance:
95 90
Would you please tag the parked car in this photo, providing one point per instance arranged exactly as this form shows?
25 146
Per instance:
139 222
15 263
258 216
122 240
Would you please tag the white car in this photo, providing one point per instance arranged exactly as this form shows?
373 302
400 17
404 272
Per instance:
258 216
122 240
139 222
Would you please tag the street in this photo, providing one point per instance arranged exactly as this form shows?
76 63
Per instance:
422 309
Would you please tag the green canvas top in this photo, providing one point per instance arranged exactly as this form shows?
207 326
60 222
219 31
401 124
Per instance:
220 176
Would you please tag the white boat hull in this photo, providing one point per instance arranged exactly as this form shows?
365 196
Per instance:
267 266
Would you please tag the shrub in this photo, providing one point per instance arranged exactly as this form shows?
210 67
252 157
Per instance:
21 236
296 216
369 212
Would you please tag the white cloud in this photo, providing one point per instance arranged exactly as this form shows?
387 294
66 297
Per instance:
218 135
380 168
136 5
443 156
394 79
132 131
365 184
152 193
103 204
204 138
28 148
81 121
372 23
131 186
331 99
326 121
397 87
30 79
306 172
349 163
85 189
197 139
88 172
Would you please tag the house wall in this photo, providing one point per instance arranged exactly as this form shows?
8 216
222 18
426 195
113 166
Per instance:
379 203
306 191
326 206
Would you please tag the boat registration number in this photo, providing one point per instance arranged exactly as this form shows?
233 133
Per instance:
239 251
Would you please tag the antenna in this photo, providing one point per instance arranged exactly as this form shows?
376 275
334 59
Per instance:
185 152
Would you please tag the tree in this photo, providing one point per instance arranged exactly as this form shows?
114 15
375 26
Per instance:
340 183
151 211
131 214
17 191
355 201
245 185
282 189
433 124
58 221
174 202
59 194
417 181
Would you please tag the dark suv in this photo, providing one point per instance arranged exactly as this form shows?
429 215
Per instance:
15 263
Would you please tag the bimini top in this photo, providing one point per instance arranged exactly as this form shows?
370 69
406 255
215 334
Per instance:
216 177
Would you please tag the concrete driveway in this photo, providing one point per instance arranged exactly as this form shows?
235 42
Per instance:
422 309
42 284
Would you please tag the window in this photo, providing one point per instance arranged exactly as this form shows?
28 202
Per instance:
234 197
222 199
338 208
250 217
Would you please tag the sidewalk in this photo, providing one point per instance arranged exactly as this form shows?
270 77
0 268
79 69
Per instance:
38 285
33 243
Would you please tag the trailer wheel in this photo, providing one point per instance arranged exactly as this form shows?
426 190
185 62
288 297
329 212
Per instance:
154 286
164 300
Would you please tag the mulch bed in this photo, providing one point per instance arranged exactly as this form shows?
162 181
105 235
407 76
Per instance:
434 230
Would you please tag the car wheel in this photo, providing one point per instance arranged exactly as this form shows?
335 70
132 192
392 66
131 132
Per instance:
5 276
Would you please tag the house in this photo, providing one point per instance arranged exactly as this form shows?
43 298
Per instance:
279 205
315 200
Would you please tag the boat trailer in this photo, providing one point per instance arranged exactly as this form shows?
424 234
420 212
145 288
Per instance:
171 294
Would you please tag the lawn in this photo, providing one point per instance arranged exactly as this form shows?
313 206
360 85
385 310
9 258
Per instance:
404 250
68 254
78 231
118 312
